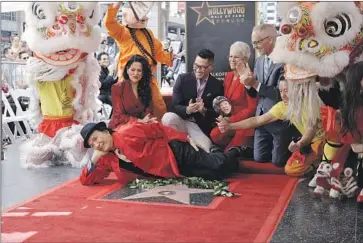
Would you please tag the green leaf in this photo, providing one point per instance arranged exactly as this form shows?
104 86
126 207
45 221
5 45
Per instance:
220 187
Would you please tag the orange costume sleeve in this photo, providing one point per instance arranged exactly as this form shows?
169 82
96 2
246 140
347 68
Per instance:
128 48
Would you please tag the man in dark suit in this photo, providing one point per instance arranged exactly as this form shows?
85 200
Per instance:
192 102
271 141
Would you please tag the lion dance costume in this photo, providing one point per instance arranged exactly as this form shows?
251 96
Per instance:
63 77
324 38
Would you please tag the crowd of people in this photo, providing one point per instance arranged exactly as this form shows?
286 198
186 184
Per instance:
210 125
257 126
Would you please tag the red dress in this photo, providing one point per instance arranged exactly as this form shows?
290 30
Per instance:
126 107
243 107
146 145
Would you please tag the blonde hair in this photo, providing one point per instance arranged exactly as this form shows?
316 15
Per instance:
242 48
304 103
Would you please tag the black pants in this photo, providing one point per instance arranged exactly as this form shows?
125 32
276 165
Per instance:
210 166
105 98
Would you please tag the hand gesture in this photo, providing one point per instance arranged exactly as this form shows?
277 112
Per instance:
194 144
148 119
116 5
192 107
200 104
97 154
246 78
293 147
223 124
241 67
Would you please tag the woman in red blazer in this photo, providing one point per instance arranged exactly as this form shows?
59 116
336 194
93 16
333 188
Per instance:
131 99
243 106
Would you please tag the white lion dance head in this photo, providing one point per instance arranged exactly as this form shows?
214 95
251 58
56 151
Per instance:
61 32
63 74
319 38
324 37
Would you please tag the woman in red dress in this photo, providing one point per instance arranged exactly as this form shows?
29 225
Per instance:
352 116
131 99
347 123
243 106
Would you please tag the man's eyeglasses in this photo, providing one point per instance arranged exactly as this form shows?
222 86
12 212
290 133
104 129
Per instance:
202 68
255 43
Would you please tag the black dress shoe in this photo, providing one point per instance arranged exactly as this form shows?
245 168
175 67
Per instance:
216 149
242 152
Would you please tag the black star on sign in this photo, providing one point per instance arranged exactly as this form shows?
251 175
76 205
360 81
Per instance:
202 12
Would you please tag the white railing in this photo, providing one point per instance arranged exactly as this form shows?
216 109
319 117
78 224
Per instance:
13 73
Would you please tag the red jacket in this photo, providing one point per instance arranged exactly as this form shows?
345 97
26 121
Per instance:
126 107
243 106
146 145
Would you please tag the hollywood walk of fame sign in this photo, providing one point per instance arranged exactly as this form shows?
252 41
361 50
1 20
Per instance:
171 194
219 14
215 26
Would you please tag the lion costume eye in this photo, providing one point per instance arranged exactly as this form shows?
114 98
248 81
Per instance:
294 15
338 25
38 11
71 6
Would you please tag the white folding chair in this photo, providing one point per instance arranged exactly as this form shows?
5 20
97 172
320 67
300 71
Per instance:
16 94
106 111
9 116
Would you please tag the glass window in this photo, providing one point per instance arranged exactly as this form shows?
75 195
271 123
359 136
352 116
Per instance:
10 16
173 26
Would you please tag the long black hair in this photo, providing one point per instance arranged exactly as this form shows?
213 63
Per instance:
352 98
143 87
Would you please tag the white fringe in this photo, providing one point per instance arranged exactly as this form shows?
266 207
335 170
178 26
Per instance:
65 148
86 83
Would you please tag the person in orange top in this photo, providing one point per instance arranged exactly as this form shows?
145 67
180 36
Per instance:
134 38
131 98
243 105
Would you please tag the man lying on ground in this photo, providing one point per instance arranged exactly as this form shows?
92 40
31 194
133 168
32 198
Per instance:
151 149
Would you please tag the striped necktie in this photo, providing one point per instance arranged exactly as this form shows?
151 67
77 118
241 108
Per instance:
266 67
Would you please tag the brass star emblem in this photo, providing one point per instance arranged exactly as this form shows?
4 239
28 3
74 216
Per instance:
202 12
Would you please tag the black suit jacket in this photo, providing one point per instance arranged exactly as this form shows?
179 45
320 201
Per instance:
106 81
185 88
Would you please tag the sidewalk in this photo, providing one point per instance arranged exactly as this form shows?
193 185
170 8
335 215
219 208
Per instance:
19 184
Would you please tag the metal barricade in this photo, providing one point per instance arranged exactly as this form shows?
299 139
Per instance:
13 73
